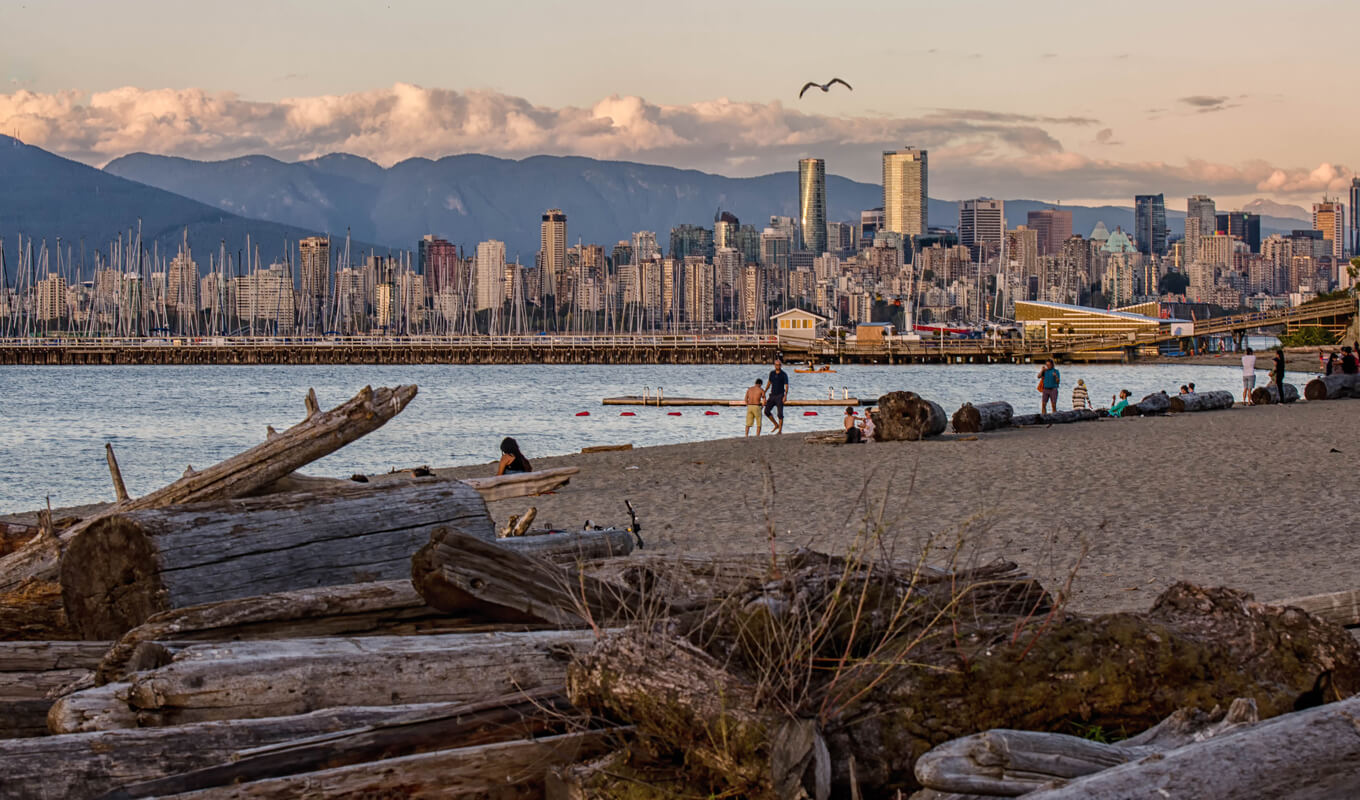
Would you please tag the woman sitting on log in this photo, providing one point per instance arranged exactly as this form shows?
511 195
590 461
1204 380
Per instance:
1123 402
512 460
853 435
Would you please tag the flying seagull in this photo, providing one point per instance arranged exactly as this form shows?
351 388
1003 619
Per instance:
826 87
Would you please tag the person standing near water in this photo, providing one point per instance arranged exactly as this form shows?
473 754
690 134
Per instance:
1248 375
1049 379
1277 374
1080 397
755 398
776 392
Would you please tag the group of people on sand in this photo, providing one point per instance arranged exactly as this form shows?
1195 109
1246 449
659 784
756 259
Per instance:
1249 374
1344 362
1050 380
768 397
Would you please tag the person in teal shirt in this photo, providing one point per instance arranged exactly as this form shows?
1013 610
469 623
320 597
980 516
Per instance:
1048 387
1118 408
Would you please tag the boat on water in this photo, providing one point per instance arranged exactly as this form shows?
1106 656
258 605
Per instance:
814 369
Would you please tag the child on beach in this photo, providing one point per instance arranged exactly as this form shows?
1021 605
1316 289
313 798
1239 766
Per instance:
755 398
853 435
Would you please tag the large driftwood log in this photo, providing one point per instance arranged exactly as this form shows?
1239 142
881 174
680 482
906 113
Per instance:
1007 763
891 690
569 547
269 678
1341 608
1330 387
1151 405
1201 401
456 572
906 416
80 766
1056 417
1307 755
499 487
391 608
500 771
31 672
1268 394
517 716
33 611
982 417
126 567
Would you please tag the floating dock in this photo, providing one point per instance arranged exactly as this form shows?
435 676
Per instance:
639 400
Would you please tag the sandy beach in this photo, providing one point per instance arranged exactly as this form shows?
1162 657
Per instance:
1256 498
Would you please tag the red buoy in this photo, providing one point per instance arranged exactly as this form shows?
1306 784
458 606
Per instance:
710 413
627 414
809 413
582 413
672 413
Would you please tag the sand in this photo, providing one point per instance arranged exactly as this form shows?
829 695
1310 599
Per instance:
1255 498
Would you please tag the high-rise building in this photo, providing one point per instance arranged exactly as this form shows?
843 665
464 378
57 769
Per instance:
748 242
1215 250
1053 227
1201 219
1355 217
1022 251
265 299
840 238
181 283
1149 224
314 262
51 305
906 177
691 240
1242 226
725 225
812 204
645 247
622 254
775 247
438 262
982 225
489 269
870 223
552 251
1329 216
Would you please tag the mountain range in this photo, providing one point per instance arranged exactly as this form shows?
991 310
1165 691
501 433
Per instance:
464 198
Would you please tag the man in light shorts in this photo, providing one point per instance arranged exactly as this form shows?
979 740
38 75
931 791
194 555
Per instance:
1248 375
755 398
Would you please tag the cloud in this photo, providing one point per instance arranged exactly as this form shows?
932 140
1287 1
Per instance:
973 151
1203 103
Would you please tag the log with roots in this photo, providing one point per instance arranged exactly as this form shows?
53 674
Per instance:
888 669
1268 394
27 574
241 680
1201 401
982 417
1329 387
906 416
124 568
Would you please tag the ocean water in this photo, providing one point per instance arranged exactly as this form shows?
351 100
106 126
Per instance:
54 421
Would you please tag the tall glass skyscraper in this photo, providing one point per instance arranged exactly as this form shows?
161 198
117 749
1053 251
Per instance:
812 204
905 184
1355 216
1149 224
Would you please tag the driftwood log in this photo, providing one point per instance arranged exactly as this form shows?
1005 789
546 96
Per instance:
569 547
500 771
1056 417
516 716
1008 763
1201 401
906 416
1151 405
126 567
31 672
982 417
241 680
1330 387
459 573
28 575
81 766
1268 394
948 674
1306 755
14 535
1341 608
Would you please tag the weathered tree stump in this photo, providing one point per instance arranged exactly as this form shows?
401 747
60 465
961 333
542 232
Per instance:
1329 387
1268 394
126 567
908 417
1201 401
982 417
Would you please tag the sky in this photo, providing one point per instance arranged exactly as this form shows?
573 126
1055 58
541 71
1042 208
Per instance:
1057 101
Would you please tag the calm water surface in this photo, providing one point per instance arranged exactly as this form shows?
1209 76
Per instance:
54 421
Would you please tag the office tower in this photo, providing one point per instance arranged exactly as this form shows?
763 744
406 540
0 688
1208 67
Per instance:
1201 219
1329 216
645 247
438 262
1242 226
1022 251
870 223
812 204
314 257
840 237
700 290
621 255
1215 250
691 240
264 299
181 284
1149 224
1053 227
725 225
775 247
906 176
982 224
748 242
727 263
1355 217
51 303
552 251
786 226
489 269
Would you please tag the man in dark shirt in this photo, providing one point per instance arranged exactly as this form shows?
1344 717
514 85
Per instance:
776 392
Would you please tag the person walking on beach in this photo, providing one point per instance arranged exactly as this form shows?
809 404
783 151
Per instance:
1248 375
776 392
1277 374
1080 398
755 398
1049 379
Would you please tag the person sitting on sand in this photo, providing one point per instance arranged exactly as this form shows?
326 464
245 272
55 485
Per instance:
866 425
1080 397
1350 361
512 460
1184 389
1120 403
853 435
755 398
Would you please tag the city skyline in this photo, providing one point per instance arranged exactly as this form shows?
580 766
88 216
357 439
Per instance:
1144 107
